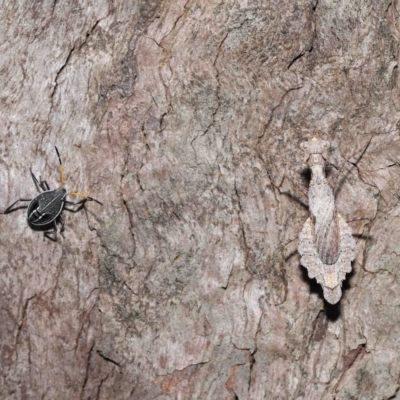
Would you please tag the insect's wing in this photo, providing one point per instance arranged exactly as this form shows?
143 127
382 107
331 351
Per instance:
327 240
332 296
46 207
308 251
36 216
330 277
347 246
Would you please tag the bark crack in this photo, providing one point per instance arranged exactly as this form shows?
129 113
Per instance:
309 47
394 396
23 318
218 87
54 6
349 360
60 70
108 359
85 380
247 248
217 90
275 108
100 386
252 363
70 53
175 23
354 165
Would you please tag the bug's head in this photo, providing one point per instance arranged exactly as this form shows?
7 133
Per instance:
316 150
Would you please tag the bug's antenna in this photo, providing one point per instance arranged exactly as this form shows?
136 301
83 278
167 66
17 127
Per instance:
85 196
61 168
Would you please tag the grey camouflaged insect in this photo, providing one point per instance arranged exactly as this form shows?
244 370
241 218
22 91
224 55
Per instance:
326 242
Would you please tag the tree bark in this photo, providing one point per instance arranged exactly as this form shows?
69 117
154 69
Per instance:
185 119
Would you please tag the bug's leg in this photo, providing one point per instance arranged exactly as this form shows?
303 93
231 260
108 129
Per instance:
299 187
62 225
293 197
85 196
61 168
11 209
51 232
35 180
75 202
45 185
80 203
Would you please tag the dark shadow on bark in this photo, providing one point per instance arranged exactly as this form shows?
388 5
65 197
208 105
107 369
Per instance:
306 176
346 283
312 283
364 237
48 229
330 169
332 311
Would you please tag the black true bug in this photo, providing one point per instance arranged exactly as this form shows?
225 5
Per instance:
45 210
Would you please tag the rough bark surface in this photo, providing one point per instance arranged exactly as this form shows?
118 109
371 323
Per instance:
185 118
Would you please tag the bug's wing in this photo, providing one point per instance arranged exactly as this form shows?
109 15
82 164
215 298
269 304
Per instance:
329 276
325 223
309 253
46 207
336 273
347 246
327 240
332 296
332 284
36 216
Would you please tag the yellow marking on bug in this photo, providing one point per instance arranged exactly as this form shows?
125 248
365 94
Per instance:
85 196
62 175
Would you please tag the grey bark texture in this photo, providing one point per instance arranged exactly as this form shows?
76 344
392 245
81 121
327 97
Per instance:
185 119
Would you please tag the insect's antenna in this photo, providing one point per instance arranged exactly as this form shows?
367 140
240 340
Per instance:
85 196
61 168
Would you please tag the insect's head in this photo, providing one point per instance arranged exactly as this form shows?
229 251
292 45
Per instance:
316 150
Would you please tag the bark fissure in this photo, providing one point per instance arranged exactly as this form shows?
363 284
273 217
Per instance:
247 249
108 359
272 114
69 56
60 70
176 22
349 360
86 378
23 318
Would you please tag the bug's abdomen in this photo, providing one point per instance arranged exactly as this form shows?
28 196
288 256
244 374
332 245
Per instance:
46 207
